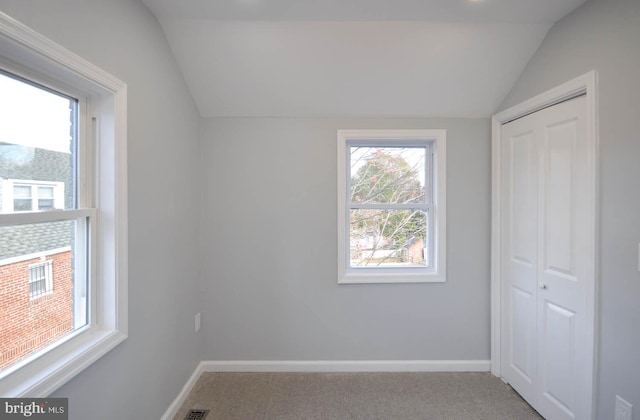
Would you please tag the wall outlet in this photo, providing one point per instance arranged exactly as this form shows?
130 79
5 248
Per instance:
198 321
623 409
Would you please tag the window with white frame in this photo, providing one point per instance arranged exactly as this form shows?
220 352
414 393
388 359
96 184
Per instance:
62 148
391 206
40 279
31 195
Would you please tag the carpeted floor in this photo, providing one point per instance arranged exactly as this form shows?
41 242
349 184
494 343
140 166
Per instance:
310 396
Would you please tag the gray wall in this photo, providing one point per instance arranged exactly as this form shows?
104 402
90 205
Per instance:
140 377
270 247
605 35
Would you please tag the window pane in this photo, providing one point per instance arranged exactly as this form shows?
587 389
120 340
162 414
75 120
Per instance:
38 288
45 204
387 174
45 198
37 143
45 192
21 191
40 279
42 287
388 238
22 205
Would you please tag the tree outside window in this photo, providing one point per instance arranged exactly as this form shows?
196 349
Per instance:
384 181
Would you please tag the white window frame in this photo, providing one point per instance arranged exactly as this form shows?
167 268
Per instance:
436 141
47 276
30 55
7 193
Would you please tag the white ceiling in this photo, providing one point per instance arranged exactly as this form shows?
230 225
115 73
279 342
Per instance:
479 11
297 58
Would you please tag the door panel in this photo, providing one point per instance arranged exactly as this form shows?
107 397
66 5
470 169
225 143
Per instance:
561 337
557 363
522 207
544 261
520 203
559 247
523 304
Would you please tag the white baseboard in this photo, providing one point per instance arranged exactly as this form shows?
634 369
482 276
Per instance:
184 393
346 366
323 366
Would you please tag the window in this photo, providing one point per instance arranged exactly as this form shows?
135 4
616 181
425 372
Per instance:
29 195
40 279
391 206
46 156
22 198
62 212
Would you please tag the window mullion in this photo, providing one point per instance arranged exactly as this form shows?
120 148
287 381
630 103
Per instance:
34 198
388 206
14 219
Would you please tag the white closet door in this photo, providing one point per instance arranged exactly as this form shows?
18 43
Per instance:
520 255
546 258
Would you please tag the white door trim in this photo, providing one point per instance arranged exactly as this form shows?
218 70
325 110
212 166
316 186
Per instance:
585 84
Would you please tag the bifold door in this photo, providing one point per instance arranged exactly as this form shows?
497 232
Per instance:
546 260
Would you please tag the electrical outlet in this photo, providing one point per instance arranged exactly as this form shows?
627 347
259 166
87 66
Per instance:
198 321
624 410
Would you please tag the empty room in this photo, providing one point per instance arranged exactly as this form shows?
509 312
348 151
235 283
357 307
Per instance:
304 209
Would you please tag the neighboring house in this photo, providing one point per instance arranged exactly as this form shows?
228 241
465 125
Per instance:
413 251
373 249
36 262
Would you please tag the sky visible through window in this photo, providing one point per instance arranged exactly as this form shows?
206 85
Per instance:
33 117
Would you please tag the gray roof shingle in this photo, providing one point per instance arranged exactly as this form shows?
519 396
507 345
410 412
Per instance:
28 163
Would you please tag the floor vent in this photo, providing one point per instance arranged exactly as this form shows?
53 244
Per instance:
196 414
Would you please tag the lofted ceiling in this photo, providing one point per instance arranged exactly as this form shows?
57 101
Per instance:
299 58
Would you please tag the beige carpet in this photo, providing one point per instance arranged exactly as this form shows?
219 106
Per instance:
309 396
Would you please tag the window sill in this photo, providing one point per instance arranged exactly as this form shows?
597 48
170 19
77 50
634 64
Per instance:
44 372
370 277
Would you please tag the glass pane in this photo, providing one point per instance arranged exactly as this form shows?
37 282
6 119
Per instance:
388 238
38 288
45 204
388 174
45 192
22 205
21 191
36 272
42 286
37 143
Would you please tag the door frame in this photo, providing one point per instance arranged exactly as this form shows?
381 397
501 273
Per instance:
582 85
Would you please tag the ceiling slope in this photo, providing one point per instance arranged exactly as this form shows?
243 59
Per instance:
269 58
478 11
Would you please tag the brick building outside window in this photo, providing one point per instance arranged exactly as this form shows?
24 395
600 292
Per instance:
36 262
